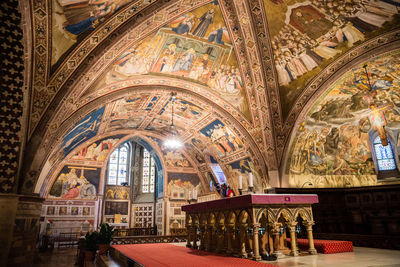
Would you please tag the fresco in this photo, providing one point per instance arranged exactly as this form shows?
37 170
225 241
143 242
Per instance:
98 151
175 159
126 108
332 148
308 35
117 192
195 47
76 182
72 20
82 131
244 167
222 138
180 184
183 109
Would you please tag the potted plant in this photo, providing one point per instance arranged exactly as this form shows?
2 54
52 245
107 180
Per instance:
106 234
90 245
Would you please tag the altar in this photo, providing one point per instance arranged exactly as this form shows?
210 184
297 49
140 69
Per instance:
250 225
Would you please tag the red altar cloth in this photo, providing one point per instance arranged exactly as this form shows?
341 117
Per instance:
251 200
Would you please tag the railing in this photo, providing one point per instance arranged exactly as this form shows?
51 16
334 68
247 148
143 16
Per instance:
136 231
121 240
178 231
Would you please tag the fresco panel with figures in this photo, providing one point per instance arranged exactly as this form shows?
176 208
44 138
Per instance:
308 35
195 47
333 147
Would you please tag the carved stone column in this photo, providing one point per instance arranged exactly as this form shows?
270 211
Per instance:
189 236
202 237
293 245
209 232
256 249
195 237
230 229
308 225
242 236
220 238
275 228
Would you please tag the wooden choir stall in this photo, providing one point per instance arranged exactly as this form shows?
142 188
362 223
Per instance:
244 226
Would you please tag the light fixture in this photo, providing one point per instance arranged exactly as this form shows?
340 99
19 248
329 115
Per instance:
173 142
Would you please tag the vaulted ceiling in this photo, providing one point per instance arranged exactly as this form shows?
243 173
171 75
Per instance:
245 72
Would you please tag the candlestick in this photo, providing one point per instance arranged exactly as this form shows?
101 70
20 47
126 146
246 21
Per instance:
240 181
251 179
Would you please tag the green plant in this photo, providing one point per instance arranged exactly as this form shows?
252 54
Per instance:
91 241
106 233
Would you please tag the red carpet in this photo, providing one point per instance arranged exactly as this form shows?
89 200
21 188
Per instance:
326 246
163 254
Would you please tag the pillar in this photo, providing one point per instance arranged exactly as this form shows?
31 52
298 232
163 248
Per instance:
195 227
256 249
8 210
189 235
209 232
293 245
202 237
230 229
308 225
242 235
275 228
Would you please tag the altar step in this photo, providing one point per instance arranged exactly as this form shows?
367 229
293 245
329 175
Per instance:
325 246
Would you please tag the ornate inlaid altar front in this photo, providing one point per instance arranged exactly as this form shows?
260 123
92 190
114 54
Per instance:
250 225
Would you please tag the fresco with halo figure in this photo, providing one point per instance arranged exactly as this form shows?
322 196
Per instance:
223 139
332 146
76 182
72 20
196 47
98 150
308 35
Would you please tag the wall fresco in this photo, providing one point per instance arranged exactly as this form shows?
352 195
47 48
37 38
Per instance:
244 167
333 146
76 182
222 138
99 150
175 159
195 47
180 184
308 35
82 131
72 20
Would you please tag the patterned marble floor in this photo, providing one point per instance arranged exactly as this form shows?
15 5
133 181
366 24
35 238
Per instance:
361 257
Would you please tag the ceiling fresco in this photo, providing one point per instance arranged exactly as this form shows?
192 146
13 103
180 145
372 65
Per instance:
332 146
195 47
245 72
308 35
72 20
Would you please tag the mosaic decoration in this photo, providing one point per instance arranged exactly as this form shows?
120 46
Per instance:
73 20
99 150
308 35
82 131
196 47
11 96
332 147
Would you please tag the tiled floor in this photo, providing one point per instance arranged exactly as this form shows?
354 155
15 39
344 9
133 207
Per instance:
361 257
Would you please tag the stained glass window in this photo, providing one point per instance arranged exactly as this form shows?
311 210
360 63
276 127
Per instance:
384 155
118 166
149 173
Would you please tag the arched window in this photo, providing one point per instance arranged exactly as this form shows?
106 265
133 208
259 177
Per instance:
149 173
384 155
119 165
